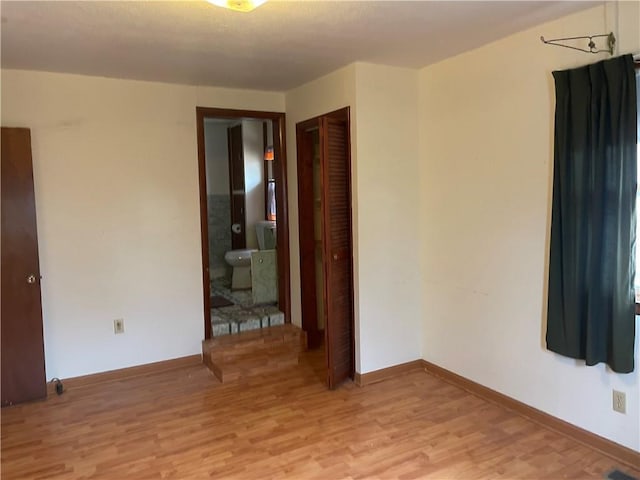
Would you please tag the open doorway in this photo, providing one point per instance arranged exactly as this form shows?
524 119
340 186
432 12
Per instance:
243 219
326 247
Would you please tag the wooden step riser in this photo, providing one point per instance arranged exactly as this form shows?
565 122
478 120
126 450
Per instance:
252 353
258 365
263 333
240 344
245 349
233 357
256 343
217 371
229 358
253 344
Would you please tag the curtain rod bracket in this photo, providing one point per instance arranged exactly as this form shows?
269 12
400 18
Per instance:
592 48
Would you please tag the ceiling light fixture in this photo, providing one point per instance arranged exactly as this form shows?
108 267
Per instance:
238 5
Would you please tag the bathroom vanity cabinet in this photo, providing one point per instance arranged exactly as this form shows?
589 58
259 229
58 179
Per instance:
264 276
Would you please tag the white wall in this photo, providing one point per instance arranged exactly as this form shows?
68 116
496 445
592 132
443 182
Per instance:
384 143
387 226
116 184
486 131
217 157
252 144
323 95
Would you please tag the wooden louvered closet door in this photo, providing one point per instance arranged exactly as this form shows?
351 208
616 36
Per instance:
336 200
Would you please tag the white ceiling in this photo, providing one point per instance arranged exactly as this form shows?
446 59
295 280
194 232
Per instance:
280 45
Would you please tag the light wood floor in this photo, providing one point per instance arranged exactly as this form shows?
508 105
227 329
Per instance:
184 424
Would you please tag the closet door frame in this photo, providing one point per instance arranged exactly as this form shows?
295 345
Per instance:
337 263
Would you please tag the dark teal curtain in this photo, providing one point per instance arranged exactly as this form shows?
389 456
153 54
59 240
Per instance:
591 304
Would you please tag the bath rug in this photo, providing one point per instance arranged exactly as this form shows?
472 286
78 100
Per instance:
217 302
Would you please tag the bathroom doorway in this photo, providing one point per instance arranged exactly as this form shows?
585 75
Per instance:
326 246
243 220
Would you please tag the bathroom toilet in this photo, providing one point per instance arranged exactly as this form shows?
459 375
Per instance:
240 261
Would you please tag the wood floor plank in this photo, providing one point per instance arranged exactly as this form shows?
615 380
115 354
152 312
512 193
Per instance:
184 423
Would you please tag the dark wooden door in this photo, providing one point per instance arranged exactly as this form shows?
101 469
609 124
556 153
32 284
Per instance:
306 200
22 358
337 244
237 188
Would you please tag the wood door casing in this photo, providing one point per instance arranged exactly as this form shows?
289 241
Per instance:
22 357
337 239
237 187
278 120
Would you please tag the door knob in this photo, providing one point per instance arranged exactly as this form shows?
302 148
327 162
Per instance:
335 256
31 279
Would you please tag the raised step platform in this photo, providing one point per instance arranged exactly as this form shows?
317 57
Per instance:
255 352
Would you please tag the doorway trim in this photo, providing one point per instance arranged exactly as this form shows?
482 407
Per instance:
282 210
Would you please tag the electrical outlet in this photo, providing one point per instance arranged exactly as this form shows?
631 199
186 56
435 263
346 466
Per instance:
118 326
619 402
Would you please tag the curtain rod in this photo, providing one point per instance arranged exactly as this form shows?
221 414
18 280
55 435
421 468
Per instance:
611 42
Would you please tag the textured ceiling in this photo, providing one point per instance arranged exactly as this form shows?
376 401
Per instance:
280 45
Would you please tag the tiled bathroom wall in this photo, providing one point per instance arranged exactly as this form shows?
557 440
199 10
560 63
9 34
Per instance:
219 209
